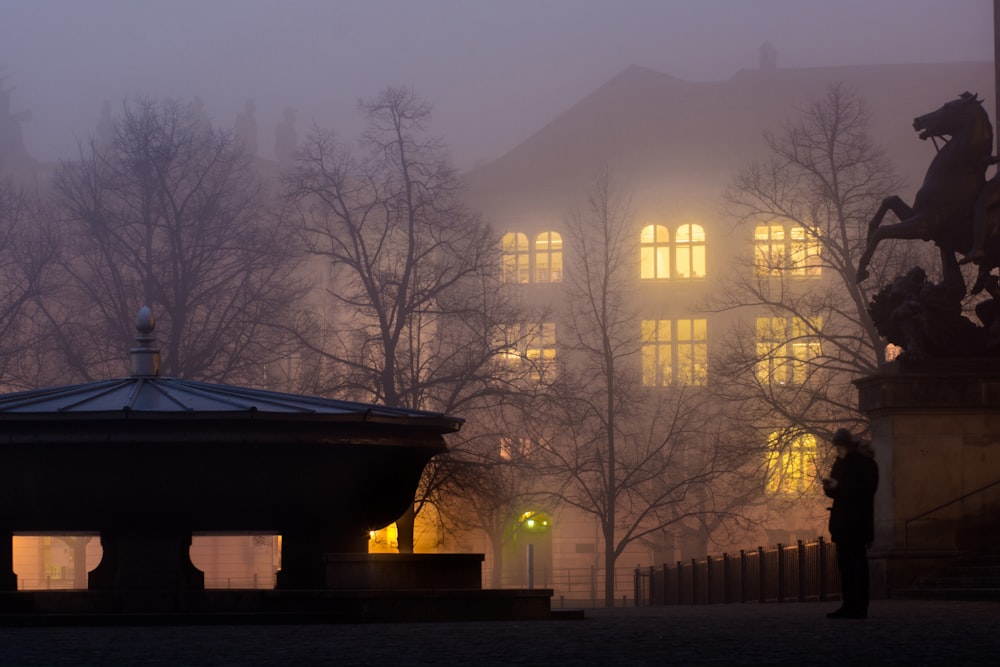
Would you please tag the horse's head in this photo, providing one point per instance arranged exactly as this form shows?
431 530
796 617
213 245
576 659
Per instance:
952 118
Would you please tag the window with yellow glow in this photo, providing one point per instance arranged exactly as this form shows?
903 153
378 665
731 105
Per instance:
786 349
513 449
548 257
541 350
791 463
506 346
656 354
515 258
654 252
689 251
674 351
692 352
769 249
804 253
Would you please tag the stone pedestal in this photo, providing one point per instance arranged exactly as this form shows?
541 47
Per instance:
8 580
936 432
146 561
400 572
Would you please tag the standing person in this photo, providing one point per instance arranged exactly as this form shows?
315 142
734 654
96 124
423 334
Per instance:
852 484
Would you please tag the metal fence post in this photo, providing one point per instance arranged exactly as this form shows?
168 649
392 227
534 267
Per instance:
694 581
725 577
743 575
761 576
781 572
708 580
821 564
802 571
680 584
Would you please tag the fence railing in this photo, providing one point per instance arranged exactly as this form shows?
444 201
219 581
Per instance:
784 573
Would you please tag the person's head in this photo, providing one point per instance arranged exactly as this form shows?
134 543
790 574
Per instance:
844 442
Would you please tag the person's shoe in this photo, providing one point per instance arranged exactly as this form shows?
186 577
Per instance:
839 613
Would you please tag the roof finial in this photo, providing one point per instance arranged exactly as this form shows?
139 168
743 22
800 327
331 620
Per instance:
145 357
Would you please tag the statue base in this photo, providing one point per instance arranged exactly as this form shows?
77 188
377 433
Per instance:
935 428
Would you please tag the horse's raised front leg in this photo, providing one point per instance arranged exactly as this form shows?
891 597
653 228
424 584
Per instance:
902 211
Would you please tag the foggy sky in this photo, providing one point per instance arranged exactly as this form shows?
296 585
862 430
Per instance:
495 70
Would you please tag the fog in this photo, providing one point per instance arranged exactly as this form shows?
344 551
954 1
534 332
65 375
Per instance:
494 71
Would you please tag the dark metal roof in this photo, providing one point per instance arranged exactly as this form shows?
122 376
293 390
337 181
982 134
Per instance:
172 398
146 394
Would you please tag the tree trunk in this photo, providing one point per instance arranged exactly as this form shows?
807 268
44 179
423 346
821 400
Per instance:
404 531
609 572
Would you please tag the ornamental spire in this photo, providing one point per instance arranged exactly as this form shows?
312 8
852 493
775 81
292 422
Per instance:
145 356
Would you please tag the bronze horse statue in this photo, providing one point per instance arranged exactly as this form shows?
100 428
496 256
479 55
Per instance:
950 208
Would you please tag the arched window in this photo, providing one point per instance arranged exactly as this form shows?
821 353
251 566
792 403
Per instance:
689 251
515 258
769 249
654 252
548 257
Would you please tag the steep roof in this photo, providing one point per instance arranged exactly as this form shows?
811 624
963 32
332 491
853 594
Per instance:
683 141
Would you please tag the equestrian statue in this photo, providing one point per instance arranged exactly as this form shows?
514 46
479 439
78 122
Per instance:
959 211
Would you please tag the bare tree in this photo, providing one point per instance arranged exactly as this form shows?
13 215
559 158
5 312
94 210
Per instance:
172 215
639 459
415 310
804 331
492 482
28 251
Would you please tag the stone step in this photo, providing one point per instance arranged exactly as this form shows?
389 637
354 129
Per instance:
972 571
968 594
958 582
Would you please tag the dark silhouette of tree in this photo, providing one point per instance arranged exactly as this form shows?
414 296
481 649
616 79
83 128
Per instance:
172 215
415 309
804 331
28 251
639 459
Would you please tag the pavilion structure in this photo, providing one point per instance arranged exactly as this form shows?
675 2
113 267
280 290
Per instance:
146 461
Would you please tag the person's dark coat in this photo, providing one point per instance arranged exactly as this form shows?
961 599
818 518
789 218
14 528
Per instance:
852 517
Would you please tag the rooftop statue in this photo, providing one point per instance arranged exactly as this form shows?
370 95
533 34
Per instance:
958 210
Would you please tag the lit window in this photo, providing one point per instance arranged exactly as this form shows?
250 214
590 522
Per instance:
507 346
786 349
692 352
515 258
654 252
804 253
674 351
541 350
512 449
805 347
548 257
791 463
689 250
769 249
656 353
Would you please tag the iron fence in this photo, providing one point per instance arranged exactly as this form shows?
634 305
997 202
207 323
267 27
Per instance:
784 573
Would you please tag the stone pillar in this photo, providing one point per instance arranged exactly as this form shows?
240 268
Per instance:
8 580
146 561
936 433
303 551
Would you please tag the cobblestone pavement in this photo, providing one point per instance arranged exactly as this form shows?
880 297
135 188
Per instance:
896 632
